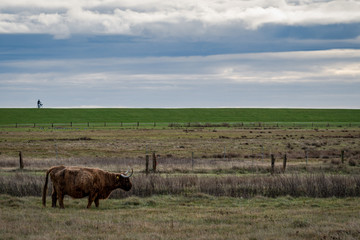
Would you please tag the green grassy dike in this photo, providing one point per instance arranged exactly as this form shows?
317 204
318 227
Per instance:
148 115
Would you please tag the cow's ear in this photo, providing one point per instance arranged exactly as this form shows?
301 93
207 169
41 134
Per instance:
117 177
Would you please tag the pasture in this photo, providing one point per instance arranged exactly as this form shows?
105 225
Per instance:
11 116
212 181
182 217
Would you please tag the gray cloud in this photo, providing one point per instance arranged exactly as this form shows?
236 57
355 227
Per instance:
294 79
158 18
310 66
157 53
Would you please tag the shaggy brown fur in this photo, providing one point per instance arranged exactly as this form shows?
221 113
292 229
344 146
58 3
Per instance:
79 182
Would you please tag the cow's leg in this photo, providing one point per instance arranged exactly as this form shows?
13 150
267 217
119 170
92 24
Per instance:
54 197
61 200
92 197
97 202
89 202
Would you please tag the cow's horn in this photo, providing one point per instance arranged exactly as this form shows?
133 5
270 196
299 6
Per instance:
125 174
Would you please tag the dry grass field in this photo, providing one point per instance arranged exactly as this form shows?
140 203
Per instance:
226 192
183 217
213 148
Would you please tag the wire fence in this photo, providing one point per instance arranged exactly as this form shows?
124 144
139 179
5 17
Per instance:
85 125
258 160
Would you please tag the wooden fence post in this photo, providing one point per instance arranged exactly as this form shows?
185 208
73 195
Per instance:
284 163
21 160
192 160
272 163
56 151
154 162
147 164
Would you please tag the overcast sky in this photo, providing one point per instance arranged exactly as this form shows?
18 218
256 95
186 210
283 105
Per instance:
160 53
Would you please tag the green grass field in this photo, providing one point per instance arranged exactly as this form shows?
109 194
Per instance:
211 115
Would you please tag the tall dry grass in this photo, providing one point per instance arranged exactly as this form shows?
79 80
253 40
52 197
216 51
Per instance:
309 185
235 186
20 185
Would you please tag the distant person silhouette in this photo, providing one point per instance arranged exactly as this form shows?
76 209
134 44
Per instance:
39 104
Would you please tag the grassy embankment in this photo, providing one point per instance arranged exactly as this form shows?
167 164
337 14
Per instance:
203 115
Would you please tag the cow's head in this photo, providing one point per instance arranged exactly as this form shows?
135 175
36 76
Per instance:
123 180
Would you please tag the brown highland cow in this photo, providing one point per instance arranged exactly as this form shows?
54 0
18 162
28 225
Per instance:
79 182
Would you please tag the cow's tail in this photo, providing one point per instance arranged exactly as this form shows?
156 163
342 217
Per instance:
46 184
